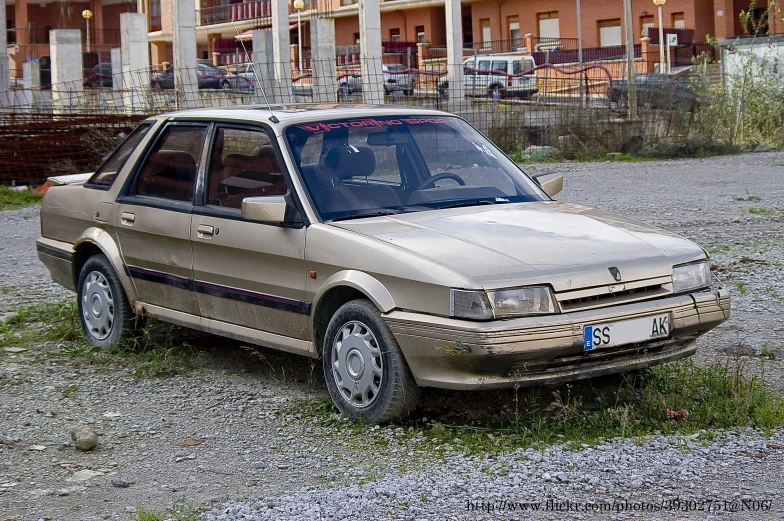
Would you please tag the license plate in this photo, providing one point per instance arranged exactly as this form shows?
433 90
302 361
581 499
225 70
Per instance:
612 334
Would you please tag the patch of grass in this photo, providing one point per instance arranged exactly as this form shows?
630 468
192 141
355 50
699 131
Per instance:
751 198
155 350
719 396
627 158
11 199
766 212
148 515
743 288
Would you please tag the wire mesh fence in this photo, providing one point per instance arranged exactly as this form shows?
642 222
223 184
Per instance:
523 108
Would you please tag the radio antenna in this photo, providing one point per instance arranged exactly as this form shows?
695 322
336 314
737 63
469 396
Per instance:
272 118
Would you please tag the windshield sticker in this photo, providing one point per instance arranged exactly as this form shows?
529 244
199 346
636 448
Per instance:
317 127
484 149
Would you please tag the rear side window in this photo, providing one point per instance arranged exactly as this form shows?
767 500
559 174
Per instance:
522 66
169 171
500 66
107 172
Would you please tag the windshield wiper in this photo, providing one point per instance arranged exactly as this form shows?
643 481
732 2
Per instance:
378 213
475 203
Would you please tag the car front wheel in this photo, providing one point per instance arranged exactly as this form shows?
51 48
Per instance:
104 312
366 373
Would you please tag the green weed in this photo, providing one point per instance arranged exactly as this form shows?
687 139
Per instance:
11 199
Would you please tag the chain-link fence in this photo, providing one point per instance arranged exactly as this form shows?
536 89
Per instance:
526 109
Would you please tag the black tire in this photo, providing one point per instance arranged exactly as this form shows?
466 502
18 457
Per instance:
122 322
225 85
397 394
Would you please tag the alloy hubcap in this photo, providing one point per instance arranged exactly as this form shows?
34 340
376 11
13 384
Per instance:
97 305
357 364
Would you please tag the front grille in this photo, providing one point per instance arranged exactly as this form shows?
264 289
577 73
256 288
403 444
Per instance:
612 299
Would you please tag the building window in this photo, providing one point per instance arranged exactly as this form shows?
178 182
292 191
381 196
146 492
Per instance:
549 25
647 22
677 21
356 38
514 30
484 25
420 33
610 32
394 35
348 2
155 15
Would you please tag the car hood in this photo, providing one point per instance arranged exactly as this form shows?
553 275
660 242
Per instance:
565 245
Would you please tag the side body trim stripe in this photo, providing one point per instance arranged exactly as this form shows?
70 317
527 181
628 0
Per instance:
216 290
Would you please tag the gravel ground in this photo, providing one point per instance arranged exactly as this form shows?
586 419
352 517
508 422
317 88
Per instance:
234 439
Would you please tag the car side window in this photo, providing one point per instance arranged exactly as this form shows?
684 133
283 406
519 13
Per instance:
242 164
520 66
107 172
468 68
169 172
500 65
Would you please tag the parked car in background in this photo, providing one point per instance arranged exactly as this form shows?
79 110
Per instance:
241 78
431 258
100 76
657 91
497 75
209 77
395 77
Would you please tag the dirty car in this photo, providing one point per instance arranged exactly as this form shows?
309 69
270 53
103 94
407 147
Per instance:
399 246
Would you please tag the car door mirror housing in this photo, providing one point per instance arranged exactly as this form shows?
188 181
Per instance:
277 209
550 183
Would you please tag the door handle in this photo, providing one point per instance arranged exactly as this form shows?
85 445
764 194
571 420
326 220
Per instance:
127 218
205 232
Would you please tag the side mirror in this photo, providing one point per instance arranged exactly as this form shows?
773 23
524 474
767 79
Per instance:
550 183
276 209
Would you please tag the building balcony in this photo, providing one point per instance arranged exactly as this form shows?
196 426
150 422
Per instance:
258 10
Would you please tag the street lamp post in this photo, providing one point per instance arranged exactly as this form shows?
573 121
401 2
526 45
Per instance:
660 4
298 5
87 14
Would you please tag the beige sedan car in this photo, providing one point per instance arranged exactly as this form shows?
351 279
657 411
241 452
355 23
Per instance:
401 248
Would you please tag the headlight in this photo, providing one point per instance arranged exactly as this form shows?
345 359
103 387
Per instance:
531 300
687 277
505 303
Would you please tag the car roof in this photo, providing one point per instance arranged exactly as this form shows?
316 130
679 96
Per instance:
301 112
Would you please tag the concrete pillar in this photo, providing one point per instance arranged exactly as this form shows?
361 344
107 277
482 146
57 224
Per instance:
116 68
370 51
31 72
5 75
20 21
454 50
65 48
263 66
134 59
723 19
280 51
322 57
186 81
96 25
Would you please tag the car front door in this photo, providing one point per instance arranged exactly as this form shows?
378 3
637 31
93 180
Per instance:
153 222
248 274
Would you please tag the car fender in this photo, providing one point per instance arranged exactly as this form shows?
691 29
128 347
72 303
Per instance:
360 281
105 242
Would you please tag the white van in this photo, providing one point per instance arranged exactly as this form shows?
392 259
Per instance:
488 74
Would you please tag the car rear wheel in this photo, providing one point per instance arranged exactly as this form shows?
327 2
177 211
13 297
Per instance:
104 312
366 373
225 84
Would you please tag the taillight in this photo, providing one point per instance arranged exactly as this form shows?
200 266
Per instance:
509 84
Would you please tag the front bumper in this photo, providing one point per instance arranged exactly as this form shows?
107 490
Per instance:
461 354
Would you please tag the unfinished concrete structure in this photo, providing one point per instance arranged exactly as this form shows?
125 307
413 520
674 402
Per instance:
370 51
186 79
66 49
322 34
281 54
134 59
5 77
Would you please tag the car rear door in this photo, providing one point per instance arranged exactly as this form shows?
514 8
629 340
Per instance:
248 274
153 222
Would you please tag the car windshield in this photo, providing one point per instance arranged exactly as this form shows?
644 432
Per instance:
378 166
